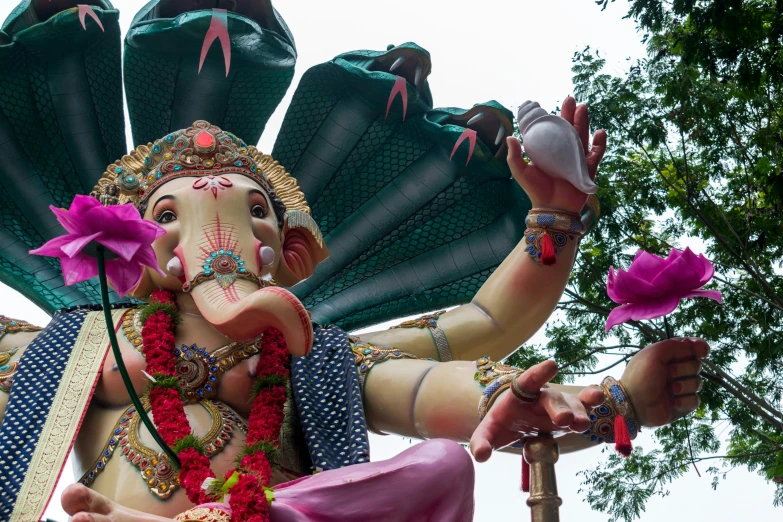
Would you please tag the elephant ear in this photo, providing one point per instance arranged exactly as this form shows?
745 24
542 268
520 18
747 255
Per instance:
303 248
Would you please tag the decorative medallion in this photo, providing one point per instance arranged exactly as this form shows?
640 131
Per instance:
6 355
199 370
7 372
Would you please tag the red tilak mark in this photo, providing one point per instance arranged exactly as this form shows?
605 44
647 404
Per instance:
85 10
218 29
467 134
213 184
401 87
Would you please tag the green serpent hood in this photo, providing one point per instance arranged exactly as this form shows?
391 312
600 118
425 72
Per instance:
168 86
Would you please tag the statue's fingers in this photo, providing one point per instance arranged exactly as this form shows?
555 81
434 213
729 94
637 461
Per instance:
684 369
685 387
560 412
482 442
581 420
535 377
701 348
686 404
675 350
582 126
516 162
568 110
596 152
591 396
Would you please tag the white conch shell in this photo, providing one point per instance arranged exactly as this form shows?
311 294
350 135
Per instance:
527 113
554 146
174 267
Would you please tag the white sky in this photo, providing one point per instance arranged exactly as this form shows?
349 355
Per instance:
511 51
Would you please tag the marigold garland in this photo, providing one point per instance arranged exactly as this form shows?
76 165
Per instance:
249 495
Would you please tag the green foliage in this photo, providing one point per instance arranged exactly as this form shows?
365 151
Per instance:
151 308
271 450
695 151
165 381
267 381
188 441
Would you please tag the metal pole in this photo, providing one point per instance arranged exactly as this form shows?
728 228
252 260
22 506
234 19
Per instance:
542 453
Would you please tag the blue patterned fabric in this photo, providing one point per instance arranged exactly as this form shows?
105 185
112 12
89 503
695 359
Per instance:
35 386
329 402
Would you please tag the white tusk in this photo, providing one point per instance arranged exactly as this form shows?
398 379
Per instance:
501 134
174 267
399 61
475 118
267 255
417 77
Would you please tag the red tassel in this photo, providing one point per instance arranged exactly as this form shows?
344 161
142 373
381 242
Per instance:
622 439
525 476
548 256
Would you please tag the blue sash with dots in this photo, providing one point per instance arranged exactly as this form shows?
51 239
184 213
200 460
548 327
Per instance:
329 402
51 391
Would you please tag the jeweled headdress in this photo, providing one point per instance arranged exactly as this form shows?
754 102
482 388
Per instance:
200 150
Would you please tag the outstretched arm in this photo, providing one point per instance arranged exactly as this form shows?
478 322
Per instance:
427 399
521 294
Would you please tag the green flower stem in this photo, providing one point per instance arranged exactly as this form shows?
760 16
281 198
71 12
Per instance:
121 364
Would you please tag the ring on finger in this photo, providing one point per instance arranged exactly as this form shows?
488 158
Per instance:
523 395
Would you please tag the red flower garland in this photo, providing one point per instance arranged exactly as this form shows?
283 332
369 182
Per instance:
248 495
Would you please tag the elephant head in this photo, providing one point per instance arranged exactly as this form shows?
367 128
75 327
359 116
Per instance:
237 230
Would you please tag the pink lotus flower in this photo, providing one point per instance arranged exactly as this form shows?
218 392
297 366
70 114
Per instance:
118 228
652 287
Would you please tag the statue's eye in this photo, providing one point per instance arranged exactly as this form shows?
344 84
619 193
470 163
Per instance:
167 216
258 211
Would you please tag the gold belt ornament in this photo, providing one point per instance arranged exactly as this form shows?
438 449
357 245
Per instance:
155 467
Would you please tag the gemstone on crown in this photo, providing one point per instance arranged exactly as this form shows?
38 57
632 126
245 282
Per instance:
205 142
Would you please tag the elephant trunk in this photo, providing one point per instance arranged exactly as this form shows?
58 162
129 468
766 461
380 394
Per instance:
259 310
236 307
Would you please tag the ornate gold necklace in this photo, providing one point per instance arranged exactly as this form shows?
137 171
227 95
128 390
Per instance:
199 370
199 375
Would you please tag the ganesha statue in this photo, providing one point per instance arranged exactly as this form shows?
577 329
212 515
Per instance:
222 383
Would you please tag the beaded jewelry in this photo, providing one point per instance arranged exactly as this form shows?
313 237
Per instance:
548 231
10 326
495 378
615 420
438 335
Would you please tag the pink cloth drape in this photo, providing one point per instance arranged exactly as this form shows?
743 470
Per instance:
430 482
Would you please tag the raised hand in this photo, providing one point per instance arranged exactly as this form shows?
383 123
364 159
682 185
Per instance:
555 412
663 380
541 186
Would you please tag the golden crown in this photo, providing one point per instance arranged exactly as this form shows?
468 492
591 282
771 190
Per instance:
200 150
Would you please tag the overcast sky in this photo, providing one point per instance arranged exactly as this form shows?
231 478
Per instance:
510 51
